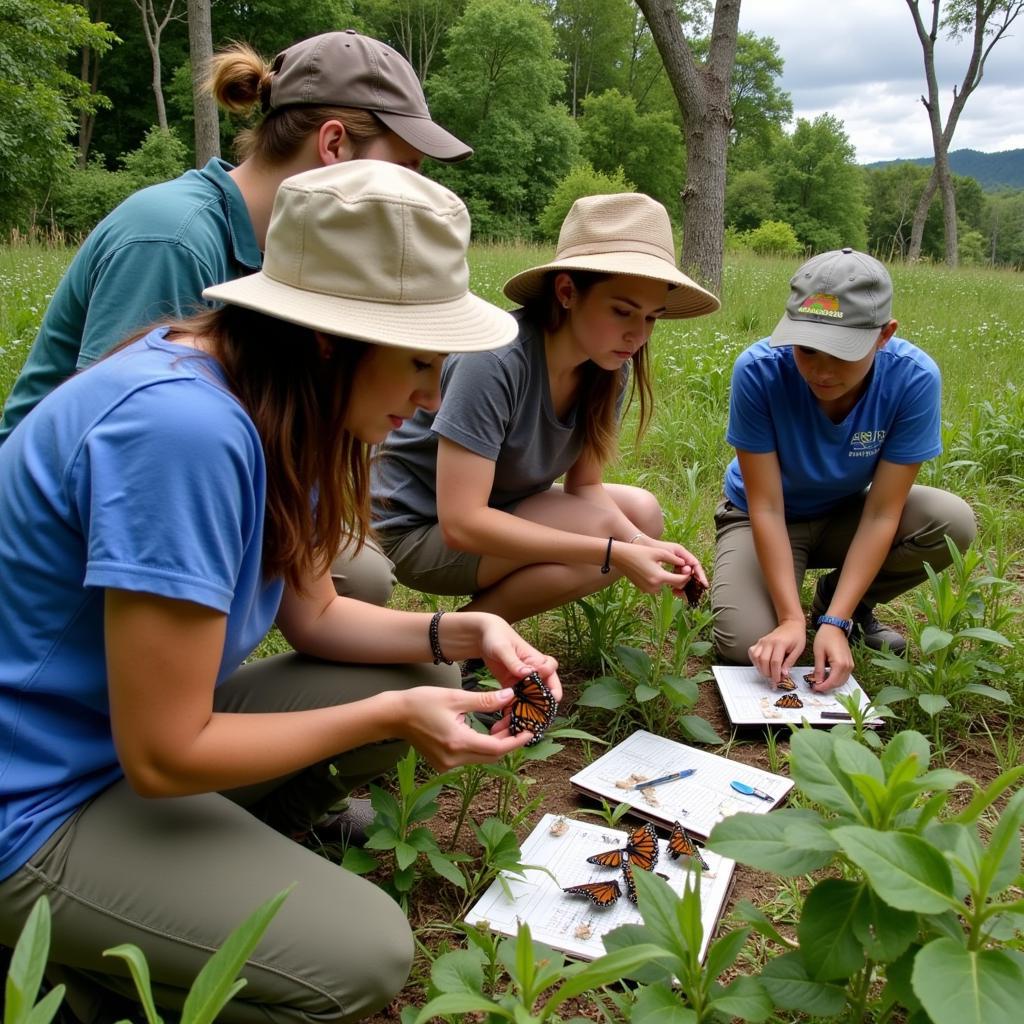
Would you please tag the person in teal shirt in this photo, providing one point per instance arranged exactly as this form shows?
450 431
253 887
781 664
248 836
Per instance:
329 98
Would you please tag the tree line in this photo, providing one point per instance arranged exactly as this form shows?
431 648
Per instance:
557 97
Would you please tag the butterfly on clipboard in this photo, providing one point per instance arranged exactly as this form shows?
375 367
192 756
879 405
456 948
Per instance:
682 844
605 893
789 700
641 850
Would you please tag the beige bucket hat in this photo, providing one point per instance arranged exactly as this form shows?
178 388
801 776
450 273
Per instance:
628 233
370 250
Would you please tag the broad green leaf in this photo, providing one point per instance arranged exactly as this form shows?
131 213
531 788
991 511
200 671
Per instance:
405 855
854 758
893 694
606 969
458 971
383 839
811 835
785 980
884 932
988 635
629 935
358 861
814 769
422 840
984 690
828 945
636 662
761 841
644 693
904 870
680 690
215 984
898 989
932 703
1003 857
942 779
699 730
605 692
903 745
28 962
660 1004
658 907
460 1002
139 970
745 998
46 1009
934 639
722 953
446 869
961 986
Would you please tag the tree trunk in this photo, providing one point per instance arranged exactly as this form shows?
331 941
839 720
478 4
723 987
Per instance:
153 28
702 92
204 106
89 73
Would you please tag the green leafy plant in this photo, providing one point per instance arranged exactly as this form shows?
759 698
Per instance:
640 693
611 816
927 905
25 975
955 646
592 626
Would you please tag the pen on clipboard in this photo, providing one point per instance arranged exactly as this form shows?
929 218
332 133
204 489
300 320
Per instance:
742 787
684 774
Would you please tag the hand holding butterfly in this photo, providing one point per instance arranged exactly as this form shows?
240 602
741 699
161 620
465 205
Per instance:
643 564
776 652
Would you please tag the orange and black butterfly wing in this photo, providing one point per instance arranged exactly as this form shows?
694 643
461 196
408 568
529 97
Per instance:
532 709
681 844
608 859
627 876
642 847
789 700
603 894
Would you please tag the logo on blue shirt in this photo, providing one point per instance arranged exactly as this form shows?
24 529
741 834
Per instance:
866 442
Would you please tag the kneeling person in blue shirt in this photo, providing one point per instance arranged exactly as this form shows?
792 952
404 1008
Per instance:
831 418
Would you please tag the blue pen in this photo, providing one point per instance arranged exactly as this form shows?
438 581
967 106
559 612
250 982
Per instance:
746 790
684 774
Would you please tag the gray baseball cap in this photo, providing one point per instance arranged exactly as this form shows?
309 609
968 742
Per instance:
346 69
838 302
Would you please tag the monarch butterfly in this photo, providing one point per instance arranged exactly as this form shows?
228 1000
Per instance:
641 849
694 591
789 700
627 875
533 708
787 684
681 844
603 894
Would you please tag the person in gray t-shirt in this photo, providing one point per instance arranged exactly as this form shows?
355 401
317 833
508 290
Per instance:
465 500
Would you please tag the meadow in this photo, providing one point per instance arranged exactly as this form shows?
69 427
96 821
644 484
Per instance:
970 322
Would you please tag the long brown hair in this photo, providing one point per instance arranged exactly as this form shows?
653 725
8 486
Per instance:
297 395
599 389
240 80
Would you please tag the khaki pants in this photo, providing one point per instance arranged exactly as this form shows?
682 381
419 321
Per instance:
739 597
368 576
176 876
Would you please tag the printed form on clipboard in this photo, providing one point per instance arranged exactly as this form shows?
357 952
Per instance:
716 789
572 923
750 699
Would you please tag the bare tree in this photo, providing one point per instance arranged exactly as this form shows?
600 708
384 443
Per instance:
153 25
986 22
204 106
702 92
89 73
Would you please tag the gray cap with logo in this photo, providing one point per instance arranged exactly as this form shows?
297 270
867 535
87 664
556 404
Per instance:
838 303
346 69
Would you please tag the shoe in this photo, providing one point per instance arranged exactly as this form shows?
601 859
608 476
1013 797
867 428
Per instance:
346 828
866 628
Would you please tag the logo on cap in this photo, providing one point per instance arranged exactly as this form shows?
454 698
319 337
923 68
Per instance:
821 304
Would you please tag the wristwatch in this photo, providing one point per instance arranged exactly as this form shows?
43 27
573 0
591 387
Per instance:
846 625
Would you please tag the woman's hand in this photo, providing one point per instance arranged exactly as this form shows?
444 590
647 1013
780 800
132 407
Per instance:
509 657
833 659
776 652
678 551
643 564
433 720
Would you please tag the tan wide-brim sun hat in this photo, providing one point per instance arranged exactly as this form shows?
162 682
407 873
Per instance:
628 233
370 250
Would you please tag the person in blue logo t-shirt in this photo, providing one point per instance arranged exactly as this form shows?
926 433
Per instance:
831 418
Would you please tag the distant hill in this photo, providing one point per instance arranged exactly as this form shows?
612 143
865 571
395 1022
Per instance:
990 170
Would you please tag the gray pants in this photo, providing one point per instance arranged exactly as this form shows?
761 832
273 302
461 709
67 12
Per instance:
175 876
368 576
739 596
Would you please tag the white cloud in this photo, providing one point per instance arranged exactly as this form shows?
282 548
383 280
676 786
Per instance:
861 61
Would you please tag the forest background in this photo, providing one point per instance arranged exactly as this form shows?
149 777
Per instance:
557 97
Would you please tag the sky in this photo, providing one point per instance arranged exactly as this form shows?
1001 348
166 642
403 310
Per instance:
861 61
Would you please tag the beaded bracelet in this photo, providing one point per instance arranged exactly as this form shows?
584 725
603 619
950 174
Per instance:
607 567
435 642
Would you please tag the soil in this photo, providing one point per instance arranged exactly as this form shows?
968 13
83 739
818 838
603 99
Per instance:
437 902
